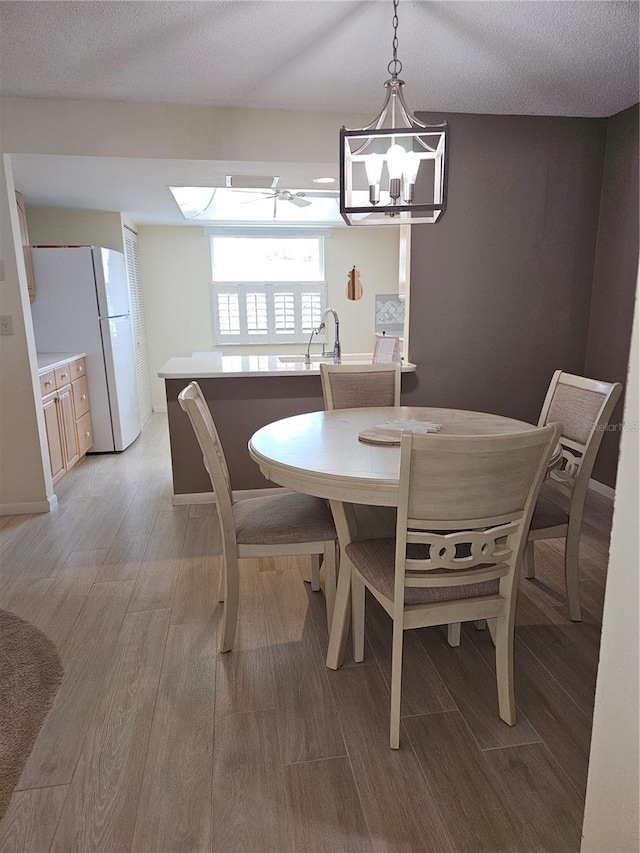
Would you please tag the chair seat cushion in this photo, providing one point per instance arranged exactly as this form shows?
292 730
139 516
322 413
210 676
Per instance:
375 560
283 519
549 511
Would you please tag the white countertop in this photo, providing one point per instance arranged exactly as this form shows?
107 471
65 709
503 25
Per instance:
50 360
218 366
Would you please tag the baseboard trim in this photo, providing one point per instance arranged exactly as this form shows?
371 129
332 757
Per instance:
193 498
210 498
29 508
602 489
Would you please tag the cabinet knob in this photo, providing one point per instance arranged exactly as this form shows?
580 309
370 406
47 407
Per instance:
87 435
63 375
47 382
83 397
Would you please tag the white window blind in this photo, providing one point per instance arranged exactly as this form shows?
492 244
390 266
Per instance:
253 310
266 313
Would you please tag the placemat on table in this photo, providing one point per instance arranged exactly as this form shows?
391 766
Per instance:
390 432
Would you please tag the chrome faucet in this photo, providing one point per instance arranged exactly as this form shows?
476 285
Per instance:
336 352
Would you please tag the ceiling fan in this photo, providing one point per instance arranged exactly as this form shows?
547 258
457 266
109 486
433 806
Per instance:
297 197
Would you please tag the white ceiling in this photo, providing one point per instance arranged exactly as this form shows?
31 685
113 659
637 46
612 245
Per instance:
534 58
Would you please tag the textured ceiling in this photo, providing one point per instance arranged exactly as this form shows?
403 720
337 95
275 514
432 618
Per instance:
543 58
516 57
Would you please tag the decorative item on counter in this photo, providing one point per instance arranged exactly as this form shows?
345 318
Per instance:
386 350
389 314
354 285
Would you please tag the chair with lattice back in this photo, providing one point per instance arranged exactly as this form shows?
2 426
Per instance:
274 525
583 407
465 503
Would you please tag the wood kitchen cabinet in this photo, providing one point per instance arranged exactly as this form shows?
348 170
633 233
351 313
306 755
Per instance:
55 439
26 248
67 416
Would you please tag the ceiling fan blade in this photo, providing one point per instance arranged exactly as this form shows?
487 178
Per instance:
299 202
321 193
236 190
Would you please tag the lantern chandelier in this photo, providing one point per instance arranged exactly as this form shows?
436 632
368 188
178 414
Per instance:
413 188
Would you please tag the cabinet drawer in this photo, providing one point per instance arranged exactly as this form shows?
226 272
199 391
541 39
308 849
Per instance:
80 396
78 368
47 382
63 375
85 436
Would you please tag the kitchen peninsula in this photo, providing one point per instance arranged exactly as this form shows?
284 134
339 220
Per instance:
244 393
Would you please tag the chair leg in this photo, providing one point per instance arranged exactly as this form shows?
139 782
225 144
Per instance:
491 625
453 634
572 570
529 561
330 563
357 616
315 572
230 609
504 670
341 613
396 684
221 583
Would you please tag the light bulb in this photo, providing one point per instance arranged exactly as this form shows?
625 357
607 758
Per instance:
373 165
395 161
409 174
411 166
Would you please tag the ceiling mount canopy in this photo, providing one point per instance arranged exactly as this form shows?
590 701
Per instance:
394 170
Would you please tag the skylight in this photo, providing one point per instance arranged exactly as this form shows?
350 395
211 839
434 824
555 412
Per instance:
235 206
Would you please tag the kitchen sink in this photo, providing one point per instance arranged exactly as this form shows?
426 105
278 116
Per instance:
300 358
352 358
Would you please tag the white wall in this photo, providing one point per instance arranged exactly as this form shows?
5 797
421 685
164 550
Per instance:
24 484
612 809
119 129
61 227
175 269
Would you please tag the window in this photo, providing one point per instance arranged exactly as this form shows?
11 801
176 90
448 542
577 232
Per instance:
267 289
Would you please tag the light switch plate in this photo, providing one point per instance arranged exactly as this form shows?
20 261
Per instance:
6 325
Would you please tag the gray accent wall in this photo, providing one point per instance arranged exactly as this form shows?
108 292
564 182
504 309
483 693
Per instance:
615 275
501 288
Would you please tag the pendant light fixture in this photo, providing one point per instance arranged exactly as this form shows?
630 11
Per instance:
395 174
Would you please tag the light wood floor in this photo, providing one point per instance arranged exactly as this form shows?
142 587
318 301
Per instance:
156 743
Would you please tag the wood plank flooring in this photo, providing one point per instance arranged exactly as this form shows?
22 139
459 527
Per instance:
157 744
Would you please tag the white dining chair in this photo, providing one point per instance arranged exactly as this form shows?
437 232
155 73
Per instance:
354 386
351 386
274 525
584 407
465 503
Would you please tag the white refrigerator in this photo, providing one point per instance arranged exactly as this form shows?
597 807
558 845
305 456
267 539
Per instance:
82 305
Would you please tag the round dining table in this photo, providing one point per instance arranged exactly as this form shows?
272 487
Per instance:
321 454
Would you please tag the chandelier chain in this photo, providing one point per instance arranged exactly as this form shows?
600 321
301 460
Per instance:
395 66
